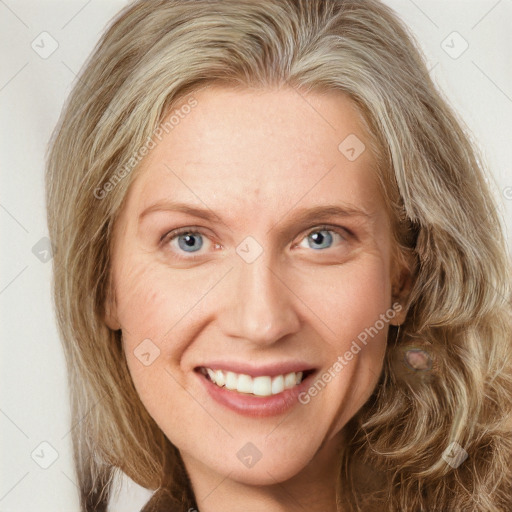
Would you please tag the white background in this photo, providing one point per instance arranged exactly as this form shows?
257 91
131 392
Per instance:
33 401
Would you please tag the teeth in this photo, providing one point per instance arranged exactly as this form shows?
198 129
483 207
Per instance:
259 386
231 380
244 384
277 384
219 378
262 386
289 380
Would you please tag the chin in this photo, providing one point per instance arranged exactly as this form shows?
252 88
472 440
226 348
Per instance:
271 472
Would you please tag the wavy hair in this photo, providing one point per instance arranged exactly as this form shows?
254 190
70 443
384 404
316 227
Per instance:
153 56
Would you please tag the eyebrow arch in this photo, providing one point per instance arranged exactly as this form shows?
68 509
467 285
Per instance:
174 206
300 216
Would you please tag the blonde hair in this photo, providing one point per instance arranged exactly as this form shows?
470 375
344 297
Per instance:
154 55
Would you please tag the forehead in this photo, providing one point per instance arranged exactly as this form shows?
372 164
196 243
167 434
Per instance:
246 151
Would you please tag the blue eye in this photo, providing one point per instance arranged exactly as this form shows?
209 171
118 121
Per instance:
190 242
321 238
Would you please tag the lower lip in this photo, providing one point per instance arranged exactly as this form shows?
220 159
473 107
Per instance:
255 406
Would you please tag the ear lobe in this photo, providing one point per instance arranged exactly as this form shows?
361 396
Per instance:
110 314
401 290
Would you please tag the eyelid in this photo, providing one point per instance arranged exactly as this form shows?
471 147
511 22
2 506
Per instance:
181 231
342 231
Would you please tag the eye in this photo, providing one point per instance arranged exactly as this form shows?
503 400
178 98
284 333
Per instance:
190 242
322 238
185 240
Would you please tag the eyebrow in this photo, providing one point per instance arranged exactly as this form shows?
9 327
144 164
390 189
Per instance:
301 216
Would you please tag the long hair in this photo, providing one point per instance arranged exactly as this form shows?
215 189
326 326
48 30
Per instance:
151 60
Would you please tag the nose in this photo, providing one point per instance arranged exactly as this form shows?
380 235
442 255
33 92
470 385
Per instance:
259 306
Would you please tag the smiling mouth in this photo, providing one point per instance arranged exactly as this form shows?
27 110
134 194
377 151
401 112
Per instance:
261 386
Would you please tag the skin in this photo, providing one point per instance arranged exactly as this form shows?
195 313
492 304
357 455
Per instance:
255 158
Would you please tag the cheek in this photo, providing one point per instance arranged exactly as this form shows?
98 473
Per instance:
152 300
352 306
348 298
159 312
164 396
150 310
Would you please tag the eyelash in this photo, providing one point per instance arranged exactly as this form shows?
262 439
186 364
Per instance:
175 233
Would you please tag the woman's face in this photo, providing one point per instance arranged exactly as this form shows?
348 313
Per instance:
283 264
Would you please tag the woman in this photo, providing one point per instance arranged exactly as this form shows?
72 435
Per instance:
280 277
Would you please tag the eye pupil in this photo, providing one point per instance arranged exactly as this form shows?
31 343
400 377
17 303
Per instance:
322 238
189 241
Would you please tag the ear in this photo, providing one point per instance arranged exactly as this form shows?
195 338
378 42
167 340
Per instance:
110 310
402 286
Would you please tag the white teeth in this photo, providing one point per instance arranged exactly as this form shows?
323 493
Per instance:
277 384
262 386
289 380
220 380
231 380
259 386
244 384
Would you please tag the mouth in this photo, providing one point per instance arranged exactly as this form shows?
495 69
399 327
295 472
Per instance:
256 386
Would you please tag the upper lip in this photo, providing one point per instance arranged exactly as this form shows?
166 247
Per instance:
257 370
